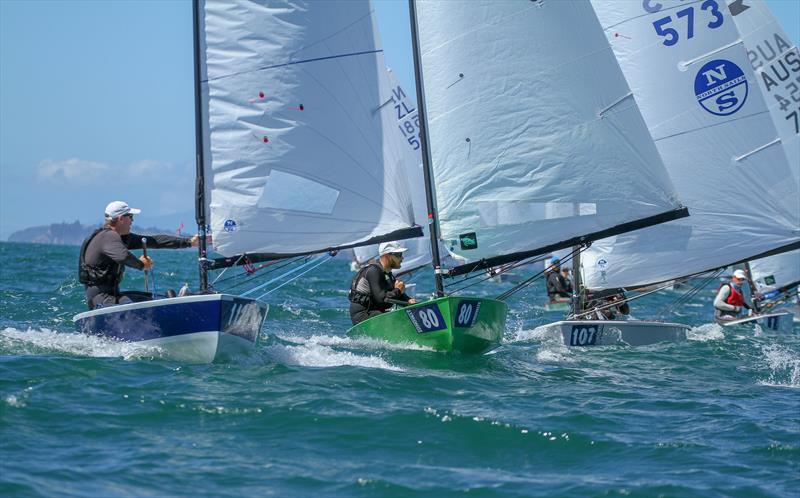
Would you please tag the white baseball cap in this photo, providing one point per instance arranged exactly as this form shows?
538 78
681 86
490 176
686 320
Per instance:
390 247
119 208
740 274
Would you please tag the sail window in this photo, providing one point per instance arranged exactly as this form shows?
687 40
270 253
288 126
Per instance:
498 213
287 191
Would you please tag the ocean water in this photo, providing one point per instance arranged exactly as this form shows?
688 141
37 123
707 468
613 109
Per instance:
313 413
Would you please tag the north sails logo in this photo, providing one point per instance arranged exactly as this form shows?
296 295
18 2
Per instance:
720 87
230 226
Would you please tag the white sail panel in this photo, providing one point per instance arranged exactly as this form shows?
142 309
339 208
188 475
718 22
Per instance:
533 134
297 155
775 59
692 79
403 112
773 272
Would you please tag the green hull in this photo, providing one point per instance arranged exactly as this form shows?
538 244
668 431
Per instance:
468 325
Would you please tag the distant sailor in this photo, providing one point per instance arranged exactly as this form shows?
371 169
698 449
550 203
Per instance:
374 284
106 253
730 299
558 289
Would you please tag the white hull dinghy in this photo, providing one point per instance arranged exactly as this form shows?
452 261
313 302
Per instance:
779 321
583 333
191 329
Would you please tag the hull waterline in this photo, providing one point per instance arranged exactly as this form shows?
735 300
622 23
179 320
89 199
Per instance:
467 325
192 329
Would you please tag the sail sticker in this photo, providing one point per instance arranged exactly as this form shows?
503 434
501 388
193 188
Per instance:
769 280
584 335
261 96
468 241
721 87
229 226
601 265
467 313
426 318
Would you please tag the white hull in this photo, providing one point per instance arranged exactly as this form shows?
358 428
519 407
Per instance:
191 329
781 321
582 333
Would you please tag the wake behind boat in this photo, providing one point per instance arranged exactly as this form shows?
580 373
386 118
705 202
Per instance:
191 329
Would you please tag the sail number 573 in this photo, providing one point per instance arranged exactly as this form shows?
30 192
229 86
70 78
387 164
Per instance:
668 28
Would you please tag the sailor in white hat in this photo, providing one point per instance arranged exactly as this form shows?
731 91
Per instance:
730 301
107 251
374 284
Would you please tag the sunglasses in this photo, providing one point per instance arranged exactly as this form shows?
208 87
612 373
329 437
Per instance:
129 215
398 254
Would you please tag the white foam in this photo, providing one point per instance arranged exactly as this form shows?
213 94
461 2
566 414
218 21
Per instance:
34 341
706 332
784 366
316 355
356 342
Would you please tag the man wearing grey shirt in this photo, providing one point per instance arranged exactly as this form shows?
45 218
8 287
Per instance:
107 251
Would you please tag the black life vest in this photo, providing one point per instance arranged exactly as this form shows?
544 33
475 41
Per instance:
97 275
360 298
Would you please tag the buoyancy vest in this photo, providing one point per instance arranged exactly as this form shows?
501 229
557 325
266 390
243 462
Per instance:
97 275
359 296
736 298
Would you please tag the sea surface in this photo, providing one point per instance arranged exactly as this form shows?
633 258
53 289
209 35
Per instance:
313 413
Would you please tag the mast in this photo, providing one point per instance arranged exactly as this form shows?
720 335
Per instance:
200 205
433 226
577 284
751 284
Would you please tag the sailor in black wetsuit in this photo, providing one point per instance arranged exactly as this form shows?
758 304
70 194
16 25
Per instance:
106 253
375 283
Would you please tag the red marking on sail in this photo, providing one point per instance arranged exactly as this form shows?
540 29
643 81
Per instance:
301 107
261 96
264 138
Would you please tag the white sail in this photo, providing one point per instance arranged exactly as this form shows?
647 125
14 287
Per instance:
692 79
775 59
403 111
298 155
534 137
774 272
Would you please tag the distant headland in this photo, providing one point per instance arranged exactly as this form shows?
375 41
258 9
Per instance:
67 234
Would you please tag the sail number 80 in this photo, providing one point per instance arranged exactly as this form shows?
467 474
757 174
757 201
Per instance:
426 318
583 335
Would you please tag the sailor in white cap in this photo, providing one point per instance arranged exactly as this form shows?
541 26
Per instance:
107 251
375 283
730 298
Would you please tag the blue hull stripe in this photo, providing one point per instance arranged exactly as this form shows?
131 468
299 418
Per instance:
175 319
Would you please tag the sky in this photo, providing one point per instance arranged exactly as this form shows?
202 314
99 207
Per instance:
97 104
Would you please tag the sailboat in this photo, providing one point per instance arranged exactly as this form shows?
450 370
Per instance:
715 133
523 152
772 281
293 158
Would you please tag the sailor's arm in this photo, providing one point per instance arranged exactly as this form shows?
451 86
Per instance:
722 296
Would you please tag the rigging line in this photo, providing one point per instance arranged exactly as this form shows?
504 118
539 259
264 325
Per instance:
248 278
500 271
505 295
754 151
322 260
687 296
285 64
226 269
617 303
279 277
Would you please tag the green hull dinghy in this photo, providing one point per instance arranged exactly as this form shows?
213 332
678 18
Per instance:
464 324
